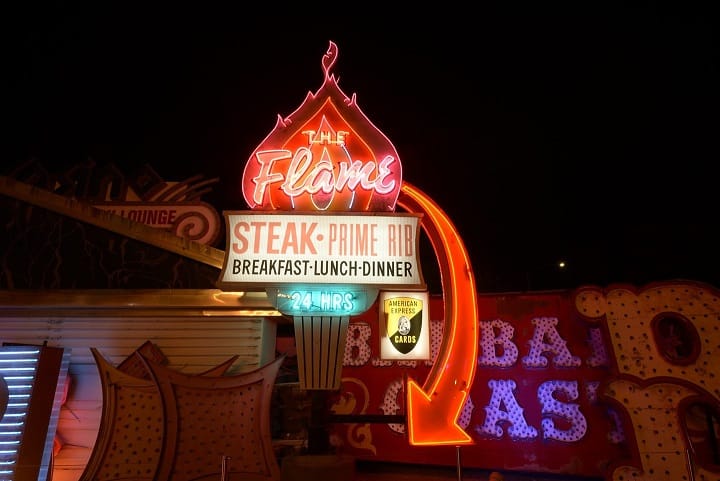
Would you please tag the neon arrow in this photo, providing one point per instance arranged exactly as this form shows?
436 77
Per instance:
433 410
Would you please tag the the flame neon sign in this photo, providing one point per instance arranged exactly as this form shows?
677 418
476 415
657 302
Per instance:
328 156
325 156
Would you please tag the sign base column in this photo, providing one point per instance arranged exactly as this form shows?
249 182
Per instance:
320 343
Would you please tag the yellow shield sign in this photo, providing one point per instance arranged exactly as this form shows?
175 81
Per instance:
403 322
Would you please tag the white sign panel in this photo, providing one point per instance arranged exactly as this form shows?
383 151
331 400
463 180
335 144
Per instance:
279 248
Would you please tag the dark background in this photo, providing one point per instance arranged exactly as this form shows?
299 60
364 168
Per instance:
587 134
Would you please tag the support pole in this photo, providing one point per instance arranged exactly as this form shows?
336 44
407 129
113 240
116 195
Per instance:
458 463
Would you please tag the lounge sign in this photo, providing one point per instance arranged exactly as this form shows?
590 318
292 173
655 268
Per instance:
266 249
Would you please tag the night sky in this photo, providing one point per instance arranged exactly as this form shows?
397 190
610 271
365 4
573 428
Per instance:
588 135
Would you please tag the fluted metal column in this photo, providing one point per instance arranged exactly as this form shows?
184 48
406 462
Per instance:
320 343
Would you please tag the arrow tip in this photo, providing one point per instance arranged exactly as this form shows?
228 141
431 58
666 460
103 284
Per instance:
426 423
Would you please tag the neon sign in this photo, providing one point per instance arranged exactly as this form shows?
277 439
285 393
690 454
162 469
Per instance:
325 156
448 384
329 301
321 300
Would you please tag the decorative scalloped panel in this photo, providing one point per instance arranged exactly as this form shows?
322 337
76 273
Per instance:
166 425
212 418
131 429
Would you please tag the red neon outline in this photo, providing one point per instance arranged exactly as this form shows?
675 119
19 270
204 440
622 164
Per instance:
330 105
450 379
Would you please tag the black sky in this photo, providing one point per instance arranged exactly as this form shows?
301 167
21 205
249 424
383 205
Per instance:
587 134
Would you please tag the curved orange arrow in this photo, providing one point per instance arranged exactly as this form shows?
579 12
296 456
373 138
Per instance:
433 410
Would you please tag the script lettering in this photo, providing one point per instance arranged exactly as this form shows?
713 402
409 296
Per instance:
305 176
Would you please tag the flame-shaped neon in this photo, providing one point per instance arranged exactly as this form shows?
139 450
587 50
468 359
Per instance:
433 410
325 156
329 59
